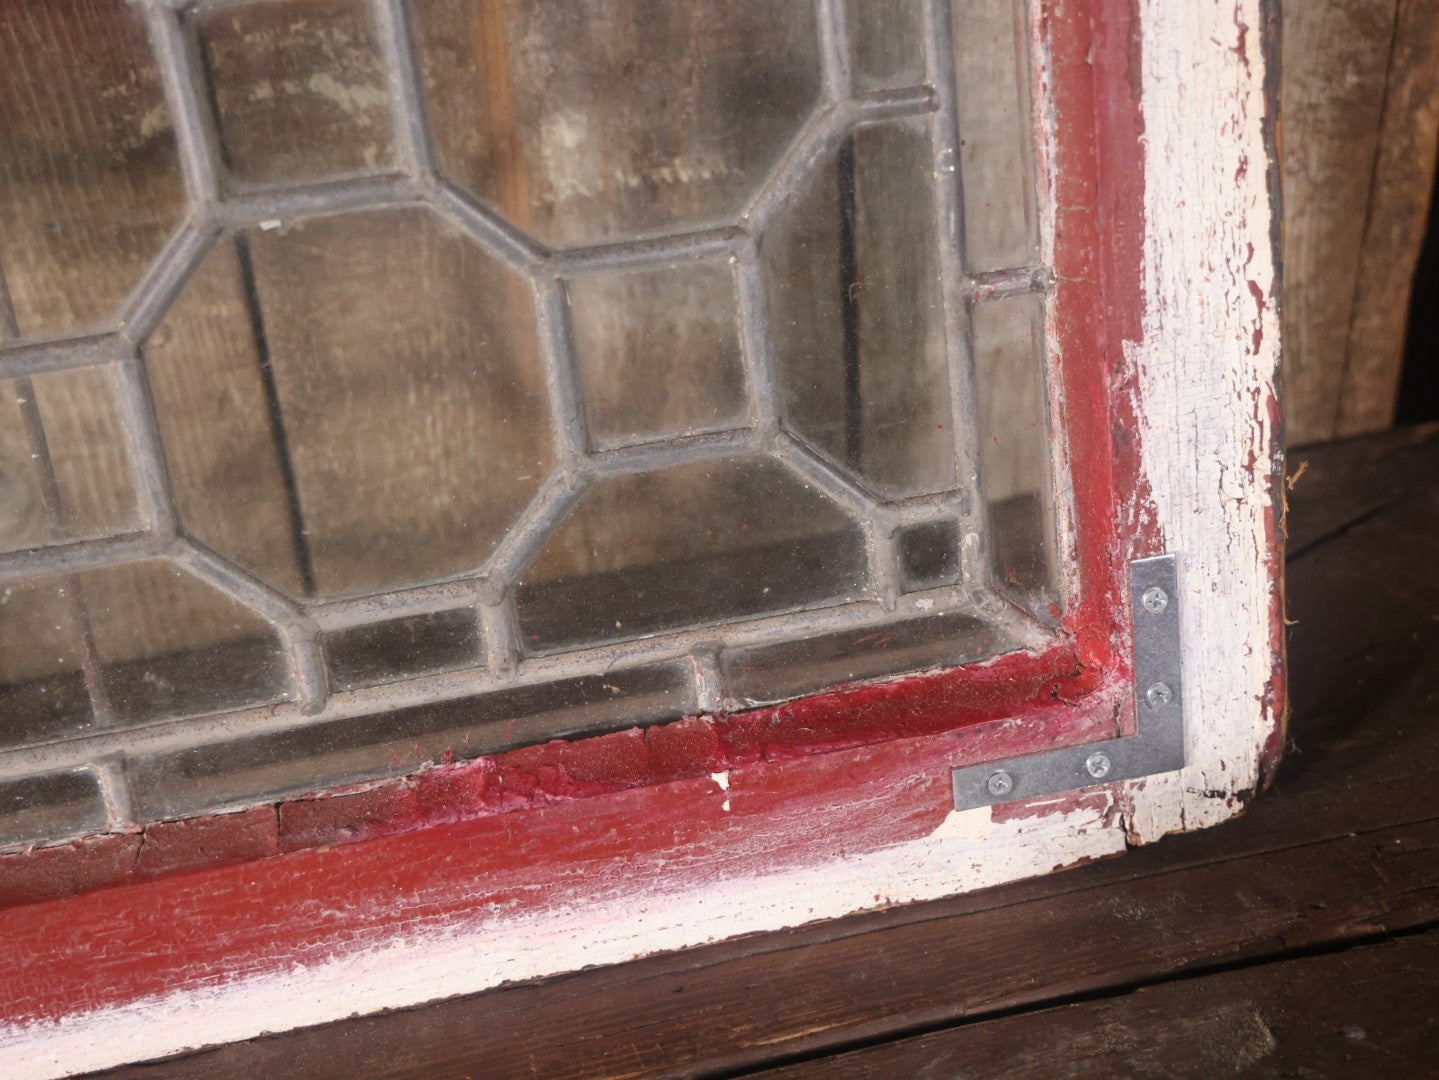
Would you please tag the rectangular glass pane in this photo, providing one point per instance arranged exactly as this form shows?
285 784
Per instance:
64 460
996 132
50 807
176 783
402 648
1015 445
43 694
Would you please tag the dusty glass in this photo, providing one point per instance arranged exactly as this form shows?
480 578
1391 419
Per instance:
499 372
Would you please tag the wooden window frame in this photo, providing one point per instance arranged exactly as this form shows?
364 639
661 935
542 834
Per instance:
1158 185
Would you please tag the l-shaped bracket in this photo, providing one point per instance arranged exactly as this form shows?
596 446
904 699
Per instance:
1158 743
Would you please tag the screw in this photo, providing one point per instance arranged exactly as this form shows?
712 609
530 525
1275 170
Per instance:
1154 600
1098 764
1000 784
1158 695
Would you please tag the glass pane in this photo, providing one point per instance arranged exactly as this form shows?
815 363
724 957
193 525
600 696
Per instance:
996 132
42 661
587 120
174 783
701 543
89 181
887 37
50 807
223 439
383 427
64 459
658 352
853 277
771 673
169 644
929 555
1014 443
299 89
402 648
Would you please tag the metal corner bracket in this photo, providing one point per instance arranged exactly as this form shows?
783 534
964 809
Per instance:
1158 743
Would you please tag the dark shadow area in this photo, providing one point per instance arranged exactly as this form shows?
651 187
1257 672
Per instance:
1419 380
1363 597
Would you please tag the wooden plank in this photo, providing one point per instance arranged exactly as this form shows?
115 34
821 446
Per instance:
1335 57
1403 185
652 1018
1276 1020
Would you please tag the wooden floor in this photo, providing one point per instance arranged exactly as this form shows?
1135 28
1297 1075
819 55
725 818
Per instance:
1301 940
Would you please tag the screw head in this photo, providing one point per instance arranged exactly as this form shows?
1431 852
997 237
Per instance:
1154 600
1158 695
1098 764
999 783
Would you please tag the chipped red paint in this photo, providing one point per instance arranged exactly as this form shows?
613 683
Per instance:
172 847
561 770
1098 179
194 930
445 846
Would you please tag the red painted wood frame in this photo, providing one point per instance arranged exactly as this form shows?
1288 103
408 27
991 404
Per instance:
681 805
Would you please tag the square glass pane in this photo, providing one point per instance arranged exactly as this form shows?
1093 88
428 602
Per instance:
299 89
658 352
887 39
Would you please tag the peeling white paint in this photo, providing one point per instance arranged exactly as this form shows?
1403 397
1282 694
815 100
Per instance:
1208 279
968 851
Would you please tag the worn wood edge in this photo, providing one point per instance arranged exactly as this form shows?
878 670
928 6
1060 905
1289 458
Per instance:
1280 1018
1209 419
1403 186
1189 180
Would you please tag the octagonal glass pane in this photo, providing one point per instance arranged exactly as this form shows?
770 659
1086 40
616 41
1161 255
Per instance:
118 645
352 403
582 121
